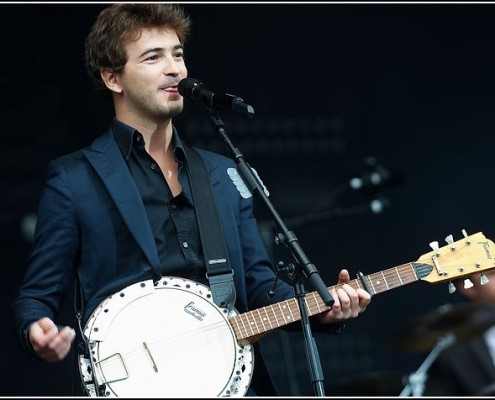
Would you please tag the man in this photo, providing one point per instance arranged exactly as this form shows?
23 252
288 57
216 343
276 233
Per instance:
122 211
467 368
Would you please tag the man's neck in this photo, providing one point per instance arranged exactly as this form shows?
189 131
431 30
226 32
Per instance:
157 135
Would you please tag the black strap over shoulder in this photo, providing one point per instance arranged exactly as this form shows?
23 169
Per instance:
219 270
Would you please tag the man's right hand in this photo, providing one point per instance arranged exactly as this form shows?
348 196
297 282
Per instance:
50 343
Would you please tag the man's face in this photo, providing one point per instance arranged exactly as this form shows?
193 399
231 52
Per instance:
155 65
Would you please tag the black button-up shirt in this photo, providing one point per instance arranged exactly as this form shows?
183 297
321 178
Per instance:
172 219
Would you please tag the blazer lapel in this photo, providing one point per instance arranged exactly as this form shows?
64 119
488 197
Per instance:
106 158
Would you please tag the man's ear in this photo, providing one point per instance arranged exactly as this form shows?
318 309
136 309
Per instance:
111 80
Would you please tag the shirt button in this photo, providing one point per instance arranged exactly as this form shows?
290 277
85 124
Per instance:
173 206
153 166
185 244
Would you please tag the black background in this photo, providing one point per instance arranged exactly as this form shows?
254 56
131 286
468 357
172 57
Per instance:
409 84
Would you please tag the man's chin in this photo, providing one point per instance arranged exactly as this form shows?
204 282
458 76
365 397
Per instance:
174 111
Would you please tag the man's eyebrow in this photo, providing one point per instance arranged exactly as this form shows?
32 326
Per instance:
158 49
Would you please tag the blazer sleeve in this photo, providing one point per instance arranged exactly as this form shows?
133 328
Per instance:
49 270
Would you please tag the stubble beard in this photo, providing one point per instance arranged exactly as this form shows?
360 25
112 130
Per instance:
149 105
171 111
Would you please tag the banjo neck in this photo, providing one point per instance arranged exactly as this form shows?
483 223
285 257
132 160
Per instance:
467 256
249 327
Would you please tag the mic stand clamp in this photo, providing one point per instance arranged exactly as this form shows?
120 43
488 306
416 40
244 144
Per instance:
288 238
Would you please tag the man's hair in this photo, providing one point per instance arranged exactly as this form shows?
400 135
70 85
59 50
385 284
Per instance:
120 22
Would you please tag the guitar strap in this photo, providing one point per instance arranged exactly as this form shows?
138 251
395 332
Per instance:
219 271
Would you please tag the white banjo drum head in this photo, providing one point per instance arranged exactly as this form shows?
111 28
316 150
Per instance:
168 340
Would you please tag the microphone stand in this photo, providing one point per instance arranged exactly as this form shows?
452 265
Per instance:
416 381
310 348
288 238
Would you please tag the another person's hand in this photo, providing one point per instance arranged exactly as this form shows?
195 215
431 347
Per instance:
50 343
348 302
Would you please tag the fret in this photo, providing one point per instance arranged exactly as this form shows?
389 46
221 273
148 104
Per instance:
312 302
291 303
414 271
262 323
236 327
288 307
265 309
275 315
385 280
243 325
282 311
251 323
378 284
372 286
398 275
319 302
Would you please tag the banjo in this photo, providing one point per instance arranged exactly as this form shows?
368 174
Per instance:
169 339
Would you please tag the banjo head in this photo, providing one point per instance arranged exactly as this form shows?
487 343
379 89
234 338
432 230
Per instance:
164 340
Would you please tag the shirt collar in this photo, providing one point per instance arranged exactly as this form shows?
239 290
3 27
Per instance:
126 135
123 135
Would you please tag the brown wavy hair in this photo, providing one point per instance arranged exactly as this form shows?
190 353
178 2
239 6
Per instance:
116 24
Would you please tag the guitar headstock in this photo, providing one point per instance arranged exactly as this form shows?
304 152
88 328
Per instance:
467 256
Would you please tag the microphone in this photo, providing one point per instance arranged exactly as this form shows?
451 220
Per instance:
194 89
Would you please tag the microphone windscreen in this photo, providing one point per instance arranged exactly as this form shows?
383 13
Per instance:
187 85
